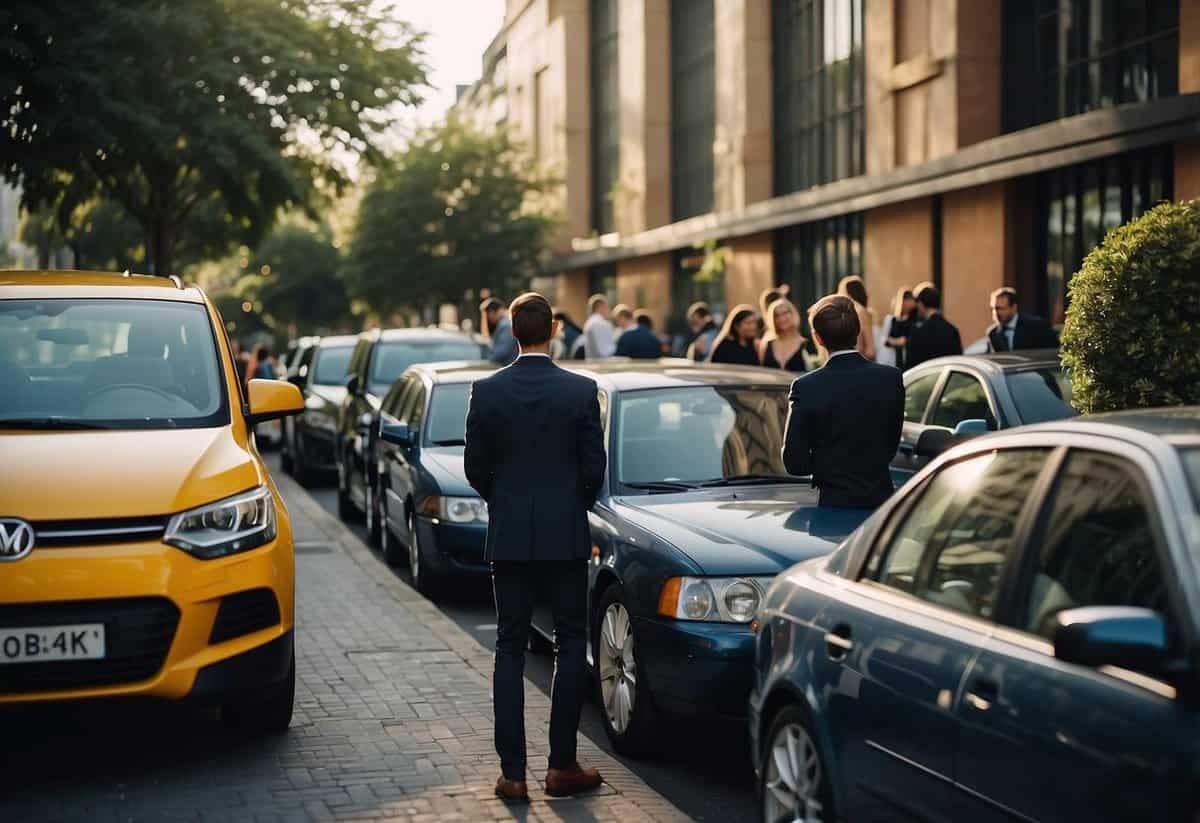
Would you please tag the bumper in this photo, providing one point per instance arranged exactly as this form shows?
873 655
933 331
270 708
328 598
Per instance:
246 672
116 584
697 668
453 548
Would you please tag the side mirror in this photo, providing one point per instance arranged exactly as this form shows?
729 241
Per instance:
297 380
971 428
352 384
272 399
397 434
933 442
1124 636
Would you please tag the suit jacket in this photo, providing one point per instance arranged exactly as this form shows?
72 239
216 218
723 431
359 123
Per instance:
935 337
1032 332
843 428
639 342
535 453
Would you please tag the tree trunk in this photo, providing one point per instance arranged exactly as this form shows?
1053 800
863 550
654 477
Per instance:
160 246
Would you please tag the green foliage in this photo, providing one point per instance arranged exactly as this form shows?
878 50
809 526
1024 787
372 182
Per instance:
294 277
458 210
1132 334
232 109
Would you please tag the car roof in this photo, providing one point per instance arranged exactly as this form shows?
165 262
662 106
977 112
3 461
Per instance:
425 334
1171 424
337 340
624 374
999 362
16 285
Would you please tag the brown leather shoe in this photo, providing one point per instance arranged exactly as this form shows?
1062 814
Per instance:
572 780
512 789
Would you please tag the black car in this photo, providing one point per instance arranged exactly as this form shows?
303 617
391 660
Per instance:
379 358
319 371
967 395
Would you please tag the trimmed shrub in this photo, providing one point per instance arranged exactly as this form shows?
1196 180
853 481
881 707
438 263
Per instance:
1132 334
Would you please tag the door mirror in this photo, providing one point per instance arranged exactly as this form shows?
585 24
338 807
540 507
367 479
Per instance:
1124 636
397 434
933 442
971 428
352 384
272 399
297 380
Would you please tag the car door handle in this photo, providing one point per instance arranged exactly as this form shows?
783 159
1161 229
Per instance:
982 694
838 643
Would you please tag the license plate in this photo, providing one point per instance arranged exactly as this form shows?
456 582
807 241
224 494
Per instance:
42 644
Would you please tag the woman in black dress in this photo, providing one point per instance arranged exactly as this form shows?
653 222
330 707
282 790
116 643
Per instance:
782 347
735 343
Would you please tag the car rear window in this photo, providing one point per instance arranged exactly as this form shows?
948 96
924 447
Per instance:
447 421
393 358
1041 394
333 365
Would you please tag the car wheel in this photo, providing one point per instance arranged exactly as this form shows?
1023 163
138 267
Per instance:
265 715
425 580
795 784
393 552
346 510
371 514
622 693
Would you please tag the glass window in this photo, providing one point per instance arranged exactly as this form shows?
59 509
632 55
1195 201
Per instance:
693 101
817 60
606 112
916 396
1041 394
952 547
358 358
333 366
414 413
448 415
963 398
694 434
1099 544
689 286
813 257
403 394
393 357
1191 465
111 364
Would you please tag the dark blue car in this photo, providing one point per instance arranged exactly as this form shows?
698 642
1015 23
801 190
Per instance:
1014 635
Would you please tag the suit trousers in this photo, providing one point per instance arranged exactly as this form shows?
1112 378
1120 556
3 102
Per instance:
563 586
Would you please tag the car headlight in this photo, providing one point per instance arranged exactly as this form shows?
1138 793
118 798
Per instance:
715 599
455 509
235 524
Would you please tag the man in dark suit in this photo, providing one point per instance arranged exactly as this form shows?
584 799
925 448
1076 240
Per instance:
844 421
1014 329
934 336
639 341
535 453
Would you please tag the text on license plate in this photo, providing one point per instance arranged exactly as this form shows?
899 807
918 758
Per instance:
41 644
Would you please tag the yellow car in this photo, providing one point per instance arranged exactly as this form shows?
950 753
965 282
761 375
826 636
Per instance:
144 549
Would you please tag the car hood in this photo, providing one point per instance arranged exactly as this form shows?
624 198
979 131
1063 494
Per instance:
744 531
68 475
445 464
333 395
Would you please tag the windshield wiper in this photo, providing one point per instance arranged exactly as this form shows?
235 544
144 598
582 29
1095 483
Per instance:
450 441
750 480
661 486
49 423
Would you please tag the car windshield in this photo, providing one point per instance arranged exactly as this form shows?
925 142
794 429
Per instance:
699 434
1041 394
447 420
331 365
112 364
393 358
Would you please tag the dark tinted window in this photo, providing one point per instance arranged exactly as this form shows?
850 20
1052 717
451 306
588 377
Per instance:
963 398
394 399
693 106
392 358
1099 545
447 415
1044 394
916 396
332 367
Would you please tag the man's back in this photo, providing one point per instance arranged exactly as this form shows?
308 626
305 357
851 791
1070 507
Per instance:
598 337
639 342
935 337
844 428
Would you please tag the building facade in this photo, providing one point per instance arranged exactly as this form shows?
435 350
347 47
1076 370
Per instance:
970 143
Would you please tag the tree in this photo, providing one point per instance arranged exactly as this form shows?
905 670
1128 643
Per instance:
234 108
458 210
1132 333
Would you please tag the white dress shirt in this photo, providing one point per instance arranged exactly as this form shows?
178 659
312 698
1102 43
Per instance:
598 338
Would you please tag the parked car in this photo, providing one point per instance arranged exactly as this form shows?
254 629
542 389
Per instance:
968 395
696 516
378 360
428 515
295 362
144 549
308 447
1014 635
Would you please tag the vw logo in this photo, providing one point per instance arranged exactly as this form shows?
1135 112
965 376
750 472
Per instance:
16 538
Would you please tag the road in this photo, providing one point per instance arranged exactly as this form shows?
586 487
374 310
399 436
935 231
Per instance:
705 768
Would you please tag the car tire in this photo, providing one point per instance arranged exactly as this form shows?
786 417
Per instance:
371 514
393 552
264 715
627 708
794 783
424 579
345 508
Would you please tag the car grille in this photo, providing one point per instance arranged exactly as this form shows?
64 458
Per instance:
95 532
243 613
138 634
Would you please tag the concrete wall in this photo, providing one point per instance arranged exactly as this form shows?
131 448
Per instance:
643 196
897 249
742 147
645 283
975 255
749 268
572 293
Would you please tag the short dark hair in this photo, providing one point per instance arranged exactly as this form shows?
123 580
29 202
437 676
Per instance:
594 301
491 304
1007 292
930 297
699 309
532 319
643 318
835 319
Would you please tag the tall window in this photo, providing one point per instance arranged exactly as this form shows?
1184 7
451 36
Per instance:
688 286
813 257
602 279
606 104
817 57
1066 57
1079 204
693 94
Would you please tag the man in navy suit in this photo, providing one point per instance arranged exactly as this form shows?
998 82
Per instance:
535 453
844 421
1016 329
639 341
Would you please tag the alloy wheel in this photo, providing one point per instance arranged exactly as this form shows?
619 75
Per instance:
793 778
618 670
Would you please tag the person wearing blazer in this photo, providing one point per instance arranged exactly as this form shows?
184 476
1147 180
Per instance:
933 335
535 452
844 419
1014 329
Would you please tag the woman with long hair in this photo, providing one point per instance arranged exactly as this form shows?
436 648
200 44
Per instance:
782 347
904 309
735 343
854 288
